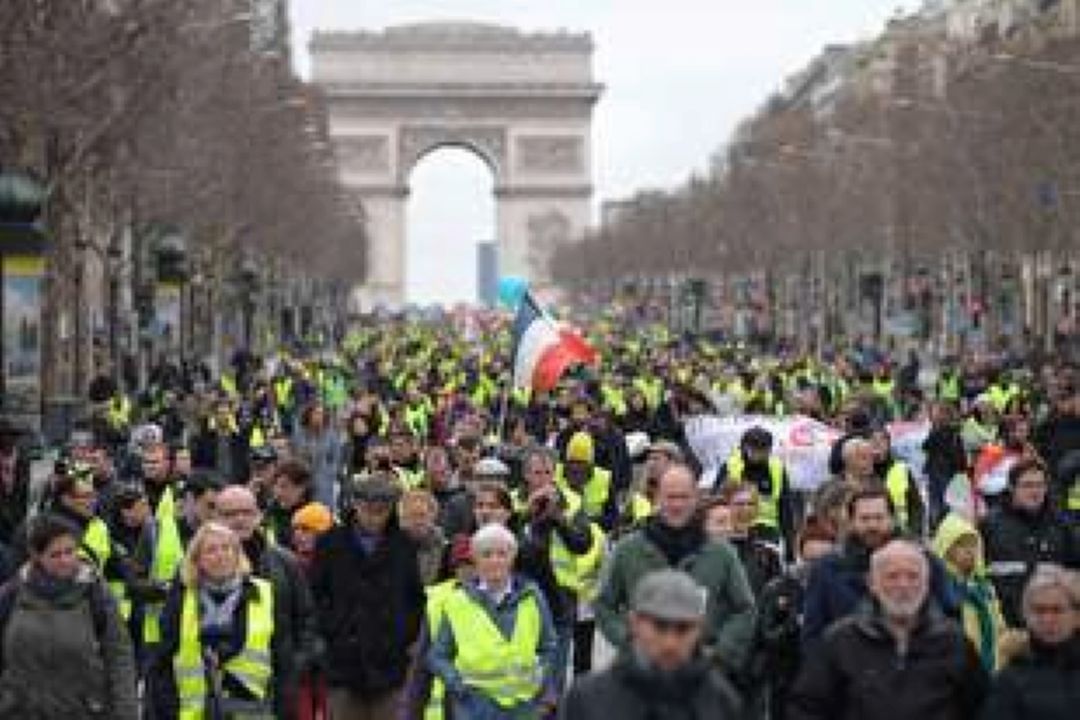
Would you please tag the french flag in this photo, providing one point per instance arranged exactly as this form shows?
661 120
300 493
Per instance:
543 350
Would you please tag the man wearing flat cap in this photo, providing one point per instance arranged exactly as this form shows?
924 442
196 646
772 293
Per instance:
369 601
663 672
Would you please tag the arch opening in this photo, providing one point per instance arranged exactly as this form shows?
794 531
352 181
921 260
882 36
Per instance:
451 210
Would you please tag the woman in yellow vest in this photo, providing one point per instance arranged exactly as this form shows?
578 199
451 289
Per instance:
217 658
495 650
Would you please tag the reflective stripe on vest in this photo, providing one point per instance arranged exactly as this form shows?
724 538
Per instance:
251 667
768 510
168 553
896 484
506 671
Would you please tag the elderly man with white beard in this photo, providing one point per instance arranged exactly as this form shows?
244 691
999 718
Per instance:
897 658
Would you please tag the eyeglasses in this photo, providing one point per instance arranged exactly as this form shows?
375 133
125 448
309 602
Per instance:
237 512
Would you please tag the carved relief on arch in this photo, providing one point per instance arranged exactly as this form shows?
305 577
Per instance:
488 141
547 231
364 153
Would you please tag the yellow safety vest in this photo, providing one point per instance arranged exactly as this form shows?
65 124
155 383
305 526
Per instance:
587 566
1072 500
228 384
252 667
640 508
896 484
118 413
283 388
168 554
506 671
97 549
437 595
768 512
594 494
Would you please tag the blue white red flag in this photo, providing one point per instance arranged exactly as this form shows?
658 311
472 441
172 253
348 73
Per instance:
543 349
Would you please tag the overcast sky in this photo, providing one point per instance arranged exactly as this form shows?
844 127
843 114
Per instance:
680 74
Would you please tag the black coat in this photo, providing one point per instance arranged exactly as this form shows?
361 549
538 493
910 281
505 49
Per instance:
1043 683
369 607
1015 543
628 692
857 673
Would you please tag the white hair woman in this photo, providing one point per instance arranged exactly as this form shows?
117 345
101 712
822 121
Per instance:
1040 681
496 651
217 657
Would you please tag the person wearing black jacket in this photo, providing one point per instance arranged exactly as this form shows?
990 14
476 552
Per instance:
1042 678
369 603
294 610
1022 533
1059 434
664 674
549 522
216 577
897 658
945 458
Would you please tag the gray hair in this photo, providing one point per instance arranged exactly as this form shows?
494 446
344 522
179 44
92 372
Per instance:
1048 576
899 548
532 452
492 536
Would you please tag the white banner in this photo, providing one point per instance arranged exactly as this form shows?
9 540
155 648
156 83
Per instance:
802 444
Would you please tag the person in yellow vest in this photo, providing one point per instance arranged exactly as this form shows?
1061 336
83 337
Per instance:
218 657
559 531
753 463
580 473
496 647
74 500
425 695
166 548
900 483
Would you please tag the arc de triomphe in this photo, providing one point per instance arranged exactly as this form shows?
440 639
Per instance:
522 102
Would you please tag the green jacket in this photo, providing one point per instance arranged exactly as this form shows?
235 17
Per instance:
729 626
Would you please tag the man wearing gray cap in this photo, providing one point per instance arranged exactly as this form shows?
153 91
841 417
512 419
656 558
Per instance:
663 673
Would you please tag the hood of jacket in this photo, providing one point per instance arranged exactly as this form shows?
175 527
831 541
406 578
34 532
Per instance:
952 529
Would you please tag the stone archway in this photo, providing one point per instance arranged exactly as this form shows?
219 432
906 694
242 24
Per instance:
522 102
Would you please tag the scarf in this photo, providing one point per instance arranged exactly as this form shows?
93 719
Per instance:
676 544
47 586
978 595
217 604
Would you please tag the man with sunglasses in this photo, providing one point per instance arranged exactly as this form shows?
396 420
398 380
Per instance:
664 672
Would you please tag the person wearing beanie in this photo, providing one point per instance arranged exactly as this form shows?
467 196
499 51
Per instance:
308 523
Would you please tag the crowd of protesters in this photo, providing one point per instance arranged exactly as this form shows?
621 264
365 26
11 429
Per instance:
387 528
